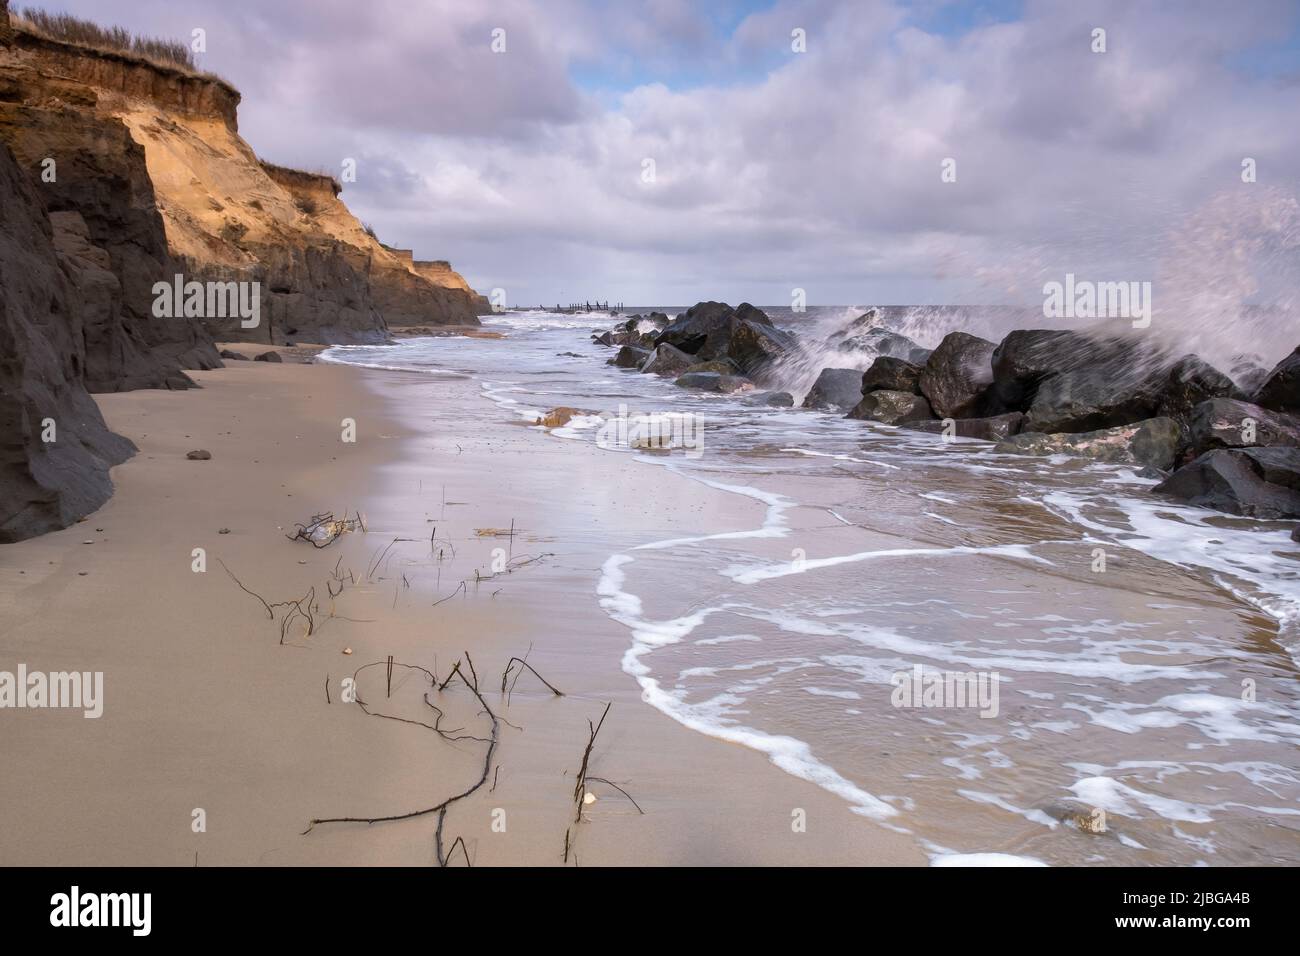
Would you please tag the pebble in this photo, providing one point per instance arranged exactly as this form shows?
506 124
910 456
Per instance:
199 454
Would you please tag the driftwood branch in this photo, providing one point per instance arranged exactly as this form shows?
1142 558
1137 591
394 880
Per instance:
505 675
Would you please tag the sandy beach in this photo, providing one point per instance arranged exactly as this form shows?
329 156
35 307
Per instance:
206 709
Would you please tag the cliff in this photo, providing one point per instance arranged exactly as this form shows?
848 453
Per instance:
55 450
118 172
225 214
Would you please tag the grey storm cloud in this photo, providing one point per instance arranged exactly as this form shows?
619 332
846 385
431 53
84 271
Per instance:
773 169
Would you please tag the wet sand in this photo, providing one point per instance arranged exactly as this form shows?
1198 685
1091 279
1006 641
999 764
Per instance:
206 709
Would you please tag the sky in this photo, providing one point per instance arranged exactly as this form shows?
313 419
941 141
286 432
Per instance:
779 166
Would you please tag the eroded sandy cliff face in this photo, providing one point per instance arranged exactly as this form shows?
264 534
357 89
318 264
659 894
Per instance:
117 174
55 450
225 214
230 216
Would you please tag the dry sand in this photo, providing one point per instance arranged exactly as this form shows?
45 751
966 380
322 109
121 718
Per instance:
205 708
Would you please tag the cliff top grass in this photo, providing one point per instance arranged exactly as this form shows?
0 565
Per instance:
306 178
155 51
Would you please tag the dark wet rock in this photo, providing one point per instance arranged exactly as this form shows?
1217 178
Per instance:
268 357
1255 482
694 328
1028 357
880 341
199 454
721 366
1075 382
956 374
1153 443
713 330
839 388
712 382
1248 372
1190 382
604 338
771 399
668 360
44 485
1228 423
629 356
1281 389
994 428
755 345
1093 398
893 374
233 356
1295 533
891 408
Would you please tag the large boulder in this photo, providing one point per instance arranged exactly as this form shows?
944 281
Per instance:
704 323
1255 482
1152 443
1228 423
994 428
668 360
1190 382
754 345
629 356
1281 390
770 399
956 374
1092 398
722 366
713 330
839 388
712 382
1248 372
1028 357
891 408
879 341
894 374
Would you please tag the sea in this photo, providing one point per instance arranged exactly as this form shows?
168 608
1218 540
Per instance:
1020 660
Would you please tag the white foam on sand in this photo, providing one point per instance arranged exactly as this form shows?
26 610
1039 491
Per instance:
1241 559
754 575
983 859
712 717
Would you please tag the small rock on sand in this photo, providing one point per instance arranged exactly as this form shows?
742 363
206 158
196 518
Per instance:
268 357
199 454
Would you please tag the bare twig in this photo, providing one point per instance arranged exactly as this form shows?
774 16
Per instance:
269 612
523 663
